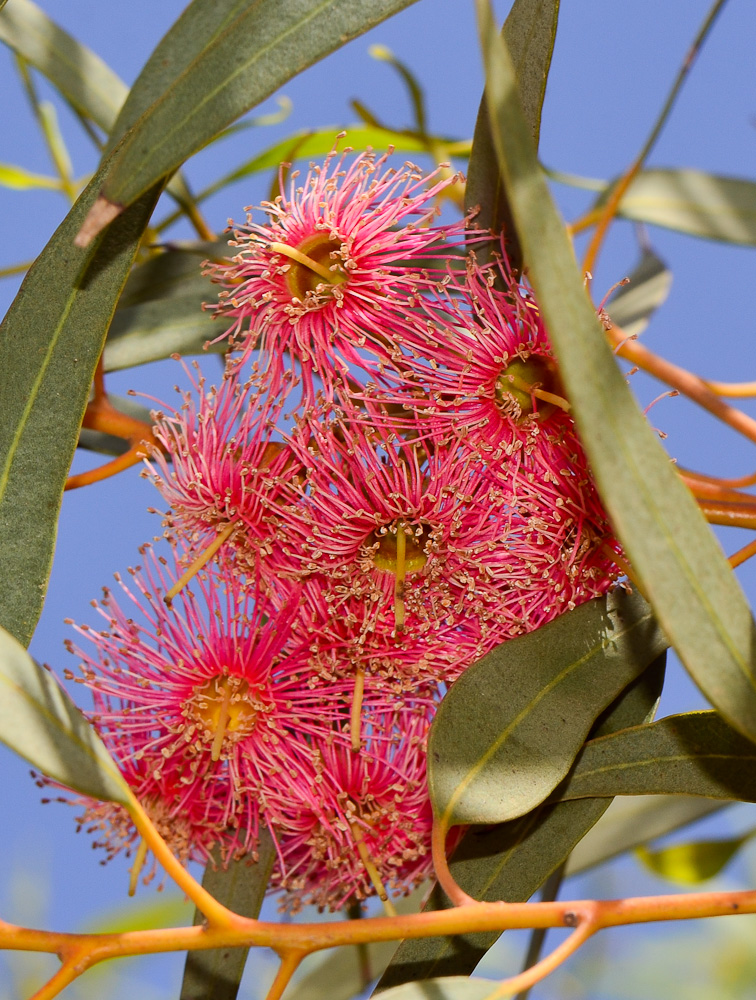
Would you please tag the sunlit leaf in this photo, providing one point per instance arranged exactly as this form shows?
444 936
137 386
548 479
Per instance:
696 753
678 561
512 860
51 339
509 728
23 180
629 822
694 862
40 722
448 988
83 79
305 145
530 31
265 45
633 305
694 202
240 885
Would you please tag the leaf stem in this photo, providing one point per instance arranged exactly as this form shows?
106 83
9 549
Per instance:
618 191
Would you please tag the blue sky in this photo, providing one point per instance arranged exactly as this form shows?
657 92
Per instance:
612 68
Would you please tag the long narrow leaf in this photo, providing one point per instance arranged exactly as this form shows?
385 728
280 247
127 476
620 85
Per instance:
267 44
680 564
50 342
83 79
530 32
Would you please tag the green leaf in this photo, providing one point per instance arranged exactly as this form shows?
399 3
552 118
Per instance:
679 563
696 753
530 32
635 303
508 730
50 341
23 180
694 862
693 202
265 45
84 80
448 988
40 722
511 860
160 311
215 974
629 822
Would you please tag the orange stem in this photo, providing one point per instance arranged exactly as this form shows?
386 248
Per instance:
739 557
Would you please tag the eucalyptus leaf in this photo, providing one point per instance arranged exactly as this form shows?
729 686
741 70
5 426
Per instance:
633 305
694 202
240 885
696 753
263 46
694 862
678 561
530 32
508 730
510 861
50 341
629 822
84 80
40 722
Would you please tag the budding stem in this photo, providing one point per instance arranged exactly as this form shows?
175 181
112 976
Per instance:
136 868
200 561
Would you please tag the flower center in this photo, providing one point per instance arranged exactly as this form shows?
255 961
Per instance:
532 384
312 266
221 706
386 556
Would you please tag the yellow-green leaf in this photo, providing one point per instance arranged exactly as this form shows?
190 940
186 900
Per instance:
633 305
691 863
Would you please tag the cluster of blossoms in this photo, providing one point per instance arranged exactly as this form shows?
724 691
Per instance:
386 485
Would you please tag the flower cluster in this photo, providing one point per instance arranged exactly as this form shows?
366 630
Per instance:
386 485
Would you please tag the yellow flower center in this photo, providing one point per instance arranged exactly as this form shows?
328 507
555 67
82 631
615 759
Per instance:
386 556
313 266
223 705
532 384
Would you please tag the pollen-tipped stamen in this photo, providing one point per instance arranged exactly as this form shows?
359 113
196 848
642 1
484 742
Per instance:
355 721
204 557
371 870
136 869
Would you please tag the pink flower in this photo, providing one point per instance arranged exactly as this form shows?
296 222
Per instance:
210 693
355 811
334 276
221 469
379 513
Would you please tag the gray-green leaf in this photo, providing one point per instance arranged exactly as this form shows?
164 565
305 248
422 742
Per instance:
679 563
508 730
